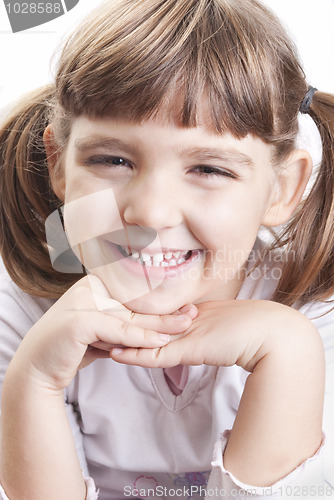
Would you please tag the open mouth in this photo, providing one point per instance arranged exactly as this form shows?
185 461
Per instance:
170 258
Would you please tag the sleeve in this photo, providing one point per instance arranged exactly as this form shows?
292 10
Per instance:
3 494
322 315
73 417
314 478
307 481
18 313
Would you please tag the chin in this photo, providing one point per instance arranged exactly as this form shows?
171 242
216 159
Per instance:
152 305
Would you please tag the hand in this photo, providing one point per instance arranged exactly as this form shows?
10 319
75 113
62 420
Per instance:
83 325
223 334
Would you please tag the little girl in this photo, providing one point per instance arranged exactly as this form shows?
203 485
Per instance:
152 344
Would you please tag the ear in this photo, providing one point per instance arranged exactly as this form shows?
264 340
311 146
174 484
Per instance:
291 181
53 156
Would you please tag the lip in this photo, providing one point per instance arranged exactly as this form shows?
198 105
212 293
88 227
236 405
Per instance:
154 272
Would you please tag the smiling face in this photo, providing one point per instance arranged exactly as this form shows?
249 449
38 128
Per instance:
164 215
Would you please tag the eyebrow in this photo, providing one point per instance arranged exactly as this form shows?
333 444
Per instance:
198 154
98 141
226 155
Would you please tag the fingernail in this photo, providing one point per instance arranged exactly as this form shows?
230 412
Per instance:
164 338
185 308
190 310
117 350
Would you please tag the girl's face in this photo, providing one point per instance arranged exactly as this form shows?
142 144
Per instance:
186 204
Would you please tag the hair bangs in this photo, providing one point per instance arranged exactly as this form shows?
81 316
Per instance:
175 59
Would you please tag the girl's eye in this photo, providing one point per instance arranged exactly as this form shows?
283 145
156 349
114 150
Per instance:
107 160
208 171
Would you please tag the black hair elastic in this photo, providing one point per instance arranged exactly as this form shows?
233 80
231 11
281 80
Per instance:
305 105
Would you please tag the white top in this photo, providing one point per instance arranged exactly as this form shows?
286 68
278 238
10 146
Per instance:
138 439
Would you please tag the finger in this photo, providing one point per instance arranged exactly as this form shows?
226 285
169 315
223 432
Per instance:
102 346
164 357
166 323
114 331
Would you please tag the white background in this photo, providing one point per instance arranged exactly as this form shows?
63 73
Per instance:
25 56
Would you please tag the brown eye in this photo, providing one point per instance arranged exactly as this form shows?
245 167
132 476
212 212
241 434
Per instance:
209 171
108 160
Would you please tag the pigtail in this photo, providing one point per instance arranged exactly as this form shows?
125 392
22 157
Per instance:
309 272
27 198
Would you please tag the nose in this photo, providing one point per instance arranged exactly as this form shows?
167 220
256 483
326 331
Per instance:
153 203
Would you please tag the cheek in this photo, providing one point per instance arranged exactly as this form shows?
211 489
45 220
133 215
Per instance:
230 224
223 219
91 215
79 182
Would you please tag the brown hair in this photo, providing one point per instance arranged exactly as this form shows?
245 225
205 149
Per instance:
132 58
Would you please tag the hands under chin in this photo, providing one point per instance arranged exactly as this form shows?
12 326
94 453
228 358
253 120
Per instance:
224 333
174 323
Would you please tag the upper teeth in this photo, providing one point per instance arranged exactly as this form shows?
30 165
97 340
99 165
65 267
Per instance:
167 259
